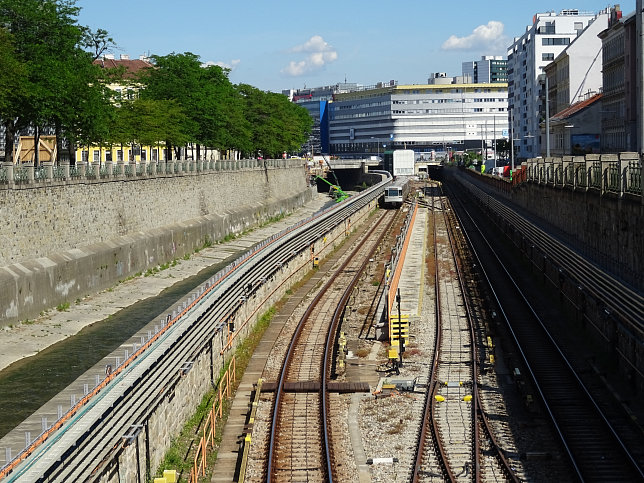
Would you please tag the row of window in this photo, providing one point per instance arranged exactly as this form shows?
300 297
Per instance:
555 41
130 153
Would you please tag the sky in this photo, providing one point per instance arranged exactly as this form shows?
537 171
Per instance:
284 44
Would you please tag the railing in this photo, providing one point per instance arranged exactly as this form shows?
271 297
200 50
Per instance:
26 173
634 177
617 174
596 175
209 432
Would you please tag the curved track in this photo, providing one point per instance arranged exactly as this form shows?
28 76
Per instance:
448 446
299 447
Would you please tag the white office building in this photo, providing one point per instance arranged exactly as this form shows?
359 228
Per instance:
548 35
432 117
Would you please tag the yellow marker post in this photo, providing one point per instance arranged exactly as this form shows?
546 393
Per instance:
170 476
439 398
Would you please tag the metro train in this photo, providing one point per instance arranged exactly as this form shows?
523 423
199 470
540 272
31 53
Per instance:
397 191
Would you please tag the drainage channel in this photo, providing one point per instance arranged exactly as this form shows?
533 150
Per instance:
29 383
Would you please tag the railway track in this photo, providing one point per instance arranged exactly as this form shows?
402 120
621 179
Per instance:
83 446
299 446
449 442
586 435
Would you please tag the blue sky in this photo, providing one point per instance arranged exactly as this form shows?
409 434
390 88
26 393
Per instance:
275 45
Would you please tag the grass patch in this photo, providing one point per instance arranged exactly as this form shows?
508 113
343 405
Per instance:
181 452
28 322
62 307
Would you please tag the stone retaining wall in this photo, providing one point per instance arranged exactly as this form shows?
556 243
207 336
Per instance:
72 240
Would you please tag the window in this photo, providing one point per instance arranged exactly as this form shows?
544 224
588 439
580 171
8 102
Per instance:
84 156
548 56
555 41
119 155
97 155
144 155
155 155
108 155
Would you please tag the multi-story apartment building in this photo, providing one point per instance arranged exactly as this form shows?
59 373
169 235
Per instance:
619 102
439 116
489 70
576 73
548 35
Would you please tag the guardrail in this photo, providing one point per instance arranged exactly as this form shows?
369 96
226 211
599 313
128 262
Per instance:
26 174
397 262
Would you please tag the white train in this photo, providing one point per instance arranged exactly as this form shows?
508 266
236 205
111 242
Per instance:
397 191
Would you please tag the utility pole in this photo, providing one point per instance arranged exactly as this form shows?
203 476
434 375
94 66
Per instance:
547 118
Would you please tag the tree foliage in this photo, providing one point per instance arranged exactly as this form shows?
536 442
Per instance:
48 79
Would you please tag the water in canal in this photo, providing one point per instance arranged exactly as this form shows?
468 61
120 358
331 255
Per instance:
29 383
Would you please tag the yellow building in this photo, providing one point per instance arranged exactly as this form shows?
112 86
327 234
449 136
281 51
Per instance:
125 153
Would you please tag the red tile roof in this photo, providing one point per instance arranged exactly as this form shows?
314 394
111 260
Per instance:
575 108
132 67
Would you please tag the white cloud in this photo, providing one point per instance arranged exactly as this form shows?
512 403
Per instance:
224 65
319 53
483 37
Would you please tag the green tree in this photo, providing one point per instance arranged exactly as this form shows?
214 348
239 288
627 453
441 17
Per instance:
59 80
13 89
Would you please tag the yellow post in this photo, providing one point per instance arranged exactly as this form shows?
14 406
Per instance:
170 476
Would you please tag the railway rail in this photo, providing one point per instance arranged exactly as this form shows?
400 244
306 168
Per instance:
620 299
299 446
449 441
594 449
82 446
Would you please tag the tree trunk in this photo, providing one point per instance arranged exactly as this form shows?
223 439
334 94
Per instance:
168 150
10 139
198 151
36 146
59 142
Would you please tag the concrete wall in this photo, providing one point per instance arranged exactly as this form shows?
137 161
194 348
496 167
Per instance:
178 402
95 235
41 220
610 228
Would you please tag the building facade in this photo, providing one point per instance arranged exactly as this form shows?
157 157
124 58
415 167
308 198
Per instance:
576 73
548 35
432 117
316 101
488 70
619 103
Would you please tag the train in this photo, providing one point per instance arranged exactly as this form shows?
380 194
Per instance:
397 191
